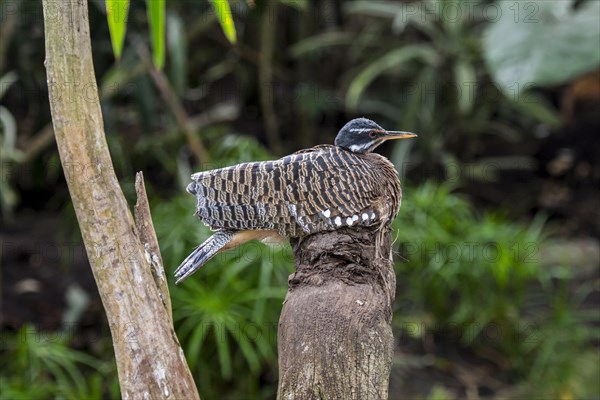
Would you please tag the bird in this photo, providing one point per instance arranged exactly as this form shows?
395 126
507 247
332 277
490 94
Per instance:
323 188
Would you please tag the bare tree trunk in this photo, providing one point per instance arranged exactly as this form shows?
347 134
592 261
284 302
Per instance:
335 334
150 361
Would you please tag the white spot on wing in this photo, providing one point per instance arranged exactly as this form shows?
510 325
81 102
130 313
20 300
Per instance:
338 221
365 216
349 221
261 210
354 218
372 215
326 213
292 208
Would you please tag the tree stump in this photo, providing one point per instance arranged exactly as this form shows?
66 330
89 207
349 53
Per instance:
335 336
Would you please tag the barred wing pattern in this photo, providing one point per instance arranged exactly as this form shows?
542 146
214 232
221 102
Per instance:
323 188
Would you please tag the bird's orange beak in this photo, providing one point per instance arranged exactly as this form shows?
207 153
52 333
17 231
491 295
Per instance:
391 135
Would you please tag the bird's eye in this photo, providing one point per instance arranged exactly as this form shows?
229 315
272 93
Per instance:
372 134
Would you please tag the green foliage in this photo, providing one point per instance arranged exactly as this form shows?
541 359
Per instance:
41 365
392 59
116 15
468 278
450 248
223 12
439 393
178 53
555 356
156 21
429 76
531 40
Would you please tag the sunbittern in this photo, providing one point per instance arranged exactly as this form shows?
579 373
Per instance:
318 189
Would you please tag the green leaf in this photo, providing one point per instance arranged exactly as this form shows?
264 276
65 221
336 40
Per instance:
321 41
6 81
177 48
223 351
116 15
392 59
297 4
537 107
156 19
224 17
542 42
466 81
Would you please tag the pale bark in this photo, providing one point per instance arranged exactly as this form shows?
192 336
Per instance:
149 358
335 335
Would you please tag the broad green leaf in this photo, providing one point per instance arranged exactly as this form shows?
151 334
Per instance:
116 15
223 12
542 42
156 19
394 58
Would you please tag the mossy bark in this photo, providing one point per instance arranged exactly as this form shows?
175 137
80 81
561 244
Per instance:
149 359
335 334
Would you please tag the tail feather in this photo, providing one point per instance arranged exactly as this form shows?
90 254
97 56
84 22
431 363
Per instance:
202 254
191 188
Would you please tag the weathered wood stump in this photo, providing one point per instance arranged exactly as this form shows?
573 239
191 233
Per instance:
335 334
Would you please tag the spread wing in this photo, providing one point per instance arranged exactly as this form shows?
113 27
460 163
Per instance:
323 188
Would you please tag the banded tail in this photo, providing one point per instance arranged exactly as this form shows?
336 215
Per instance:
202 254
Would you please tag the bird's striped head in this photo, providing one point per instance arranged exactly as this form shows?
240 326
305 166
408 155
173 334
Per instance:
362 135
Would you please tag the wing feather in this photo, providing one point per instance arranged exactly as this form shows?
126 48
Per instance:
323 188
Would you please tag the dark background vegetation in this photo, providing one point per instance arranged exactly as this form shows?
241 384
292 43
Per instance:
496 242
